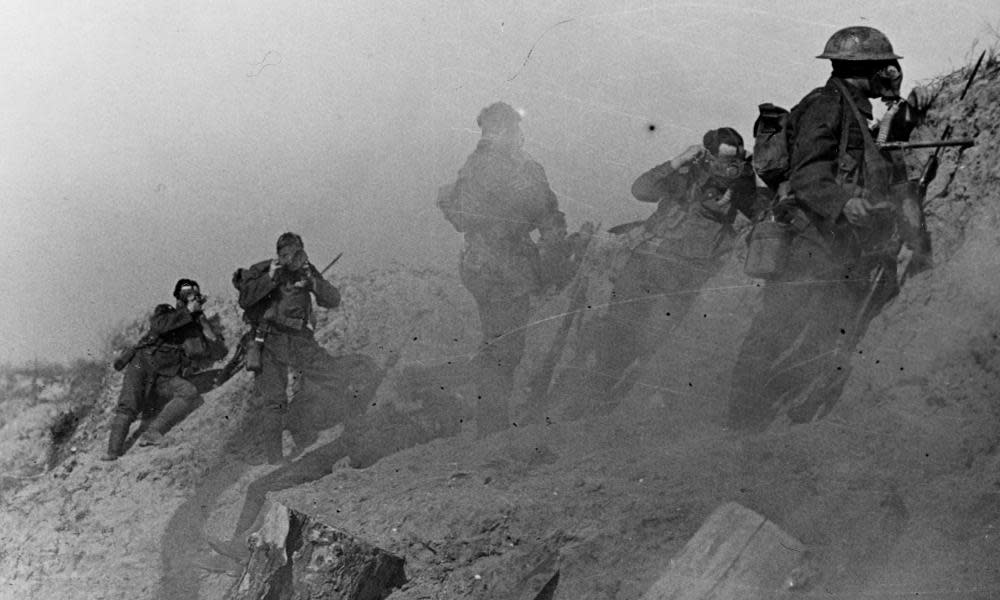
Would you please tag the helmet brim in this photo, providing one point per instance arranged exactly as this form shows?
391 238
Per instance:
858 57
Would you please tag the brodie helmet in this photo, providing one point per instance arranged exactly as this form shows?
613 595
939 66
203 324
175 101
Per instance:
859 43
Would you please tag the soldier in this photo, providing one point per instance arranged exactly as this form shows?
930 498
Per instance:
157 370
501 197
841 263
276 296
676 250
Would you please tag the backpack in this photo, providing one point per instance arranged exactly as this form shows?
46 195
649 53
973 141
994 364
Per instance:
770 145
254 314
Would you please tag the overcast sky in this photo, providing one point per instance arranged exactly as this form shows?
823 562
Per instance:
143 142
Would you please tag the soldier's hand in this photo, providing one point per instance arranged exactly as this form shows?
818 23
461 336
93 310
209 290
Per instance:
720 205
688 156
920 98
194 305
856 211
314 274
275 267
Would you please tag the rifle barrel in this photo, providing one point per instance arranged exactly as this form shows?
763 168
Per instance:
964 143
972 76
332 262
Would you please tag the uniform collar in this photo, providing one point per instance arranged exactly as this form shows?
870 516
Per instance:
863 103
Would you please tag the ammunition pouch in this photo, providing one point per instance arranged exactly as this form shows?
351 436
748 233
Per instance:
253 361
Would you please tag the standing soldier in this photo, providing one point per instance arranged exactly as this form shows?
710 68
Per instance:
275 295
841 263
679 247
157 369
501 197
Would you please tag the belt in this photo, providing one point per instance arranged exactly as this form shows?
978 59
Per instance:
288 325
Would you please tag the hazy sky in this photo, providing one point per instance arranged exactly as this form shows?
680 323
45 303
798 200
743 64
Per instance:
143 142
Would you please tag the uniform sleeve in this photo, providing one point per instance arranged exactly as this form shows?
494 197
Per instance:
549 220
659 182
327 295
166 319
813 157
745 196
255 286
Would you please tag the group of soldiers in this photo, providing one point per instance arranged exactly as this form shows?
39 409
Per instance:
844 241
840 247
276 296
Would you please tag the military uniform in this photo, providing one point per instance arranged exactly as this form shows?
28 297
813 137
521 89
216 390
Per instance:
678 248
281 309
155 380
837 277
500 197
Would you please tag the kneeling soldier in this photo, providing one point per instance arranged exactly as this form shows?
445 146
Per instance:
157 369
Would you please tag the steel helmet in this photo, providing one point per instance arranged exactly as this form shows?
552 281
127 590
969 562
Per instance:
185 283
859 43
498 116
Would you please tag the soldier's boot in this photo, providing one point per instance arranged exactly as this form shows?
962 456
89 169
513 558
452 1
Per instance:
172 414
116 438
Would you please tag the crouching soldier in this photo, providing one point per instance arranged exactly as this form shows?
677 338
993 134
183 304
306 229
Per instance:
180 338
678 248
276 295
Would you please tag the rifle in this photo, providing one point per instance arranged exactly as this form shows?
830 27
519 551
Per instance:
930 169
961 143
332 262
237 362
541 380
911 195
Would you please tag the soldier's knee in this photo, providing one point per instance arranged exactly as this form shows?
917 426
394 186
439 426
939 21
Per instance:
187 392
194 402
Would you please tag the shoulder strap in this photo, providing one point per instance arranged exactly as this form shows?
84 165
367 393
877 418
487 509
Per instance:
862 122
874 166
845 131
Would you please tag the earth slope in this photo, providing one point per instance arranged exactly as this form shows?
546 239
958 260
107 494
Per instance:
896 493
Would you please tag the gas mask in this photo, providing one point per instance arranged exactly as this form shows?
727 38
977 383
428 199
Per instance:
293 258
886 82
724 170
188 293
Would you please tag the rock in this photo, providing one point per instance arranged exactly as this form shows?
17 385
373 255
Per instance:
294 556
736 555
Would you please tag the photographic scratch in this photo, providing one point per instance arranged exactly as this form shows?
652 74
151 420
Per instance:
532 49
270 59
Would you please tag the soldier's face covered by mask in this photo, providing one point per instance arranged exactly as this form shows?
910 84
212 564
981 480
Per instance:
187 293
292 257
728 165
887 80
